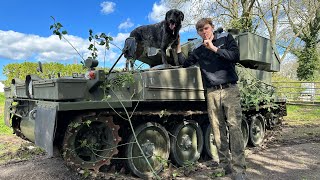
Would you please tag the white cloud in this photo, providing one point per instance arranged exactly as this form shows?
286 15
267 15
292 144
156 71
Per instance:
125 25
107 7
158 12
19 46
120 38
193 10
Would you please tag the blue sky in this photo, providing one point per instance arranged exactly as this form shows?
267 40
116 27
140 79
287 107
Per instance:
25 33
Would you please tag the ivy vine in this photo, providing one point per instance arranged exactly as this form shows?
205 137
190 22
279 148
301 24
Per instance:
255 94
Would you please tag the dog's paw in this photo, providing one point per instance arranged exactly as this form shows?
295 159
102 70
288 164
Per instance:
167 66
175 67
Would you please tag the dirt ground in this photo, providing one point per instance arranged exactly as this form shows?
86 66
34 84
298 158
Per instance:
288 153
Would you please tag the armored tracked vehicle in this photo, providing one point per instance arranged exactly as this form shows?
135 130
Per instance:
159 115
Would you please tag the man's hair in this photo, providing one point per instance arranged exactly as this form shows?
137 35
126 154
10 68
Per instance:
203 22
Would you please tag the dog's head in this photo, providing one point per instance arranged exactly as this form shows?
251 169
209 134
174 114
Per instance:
174 18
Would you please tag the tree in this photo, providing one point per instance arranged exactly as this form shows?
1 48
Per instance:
240 13
304 19
229 13
21 70
267 18
269 13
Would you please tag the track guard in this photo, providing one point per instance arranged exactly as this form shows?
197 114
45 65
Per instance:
7 112
45 126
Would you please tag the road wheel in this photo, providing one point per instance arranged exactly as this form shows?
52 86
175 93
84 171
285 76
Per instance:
186 142
209 144
257 130
245 131
155 144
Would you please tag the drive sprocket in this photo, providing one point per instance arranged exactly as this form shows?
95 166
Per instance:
90 142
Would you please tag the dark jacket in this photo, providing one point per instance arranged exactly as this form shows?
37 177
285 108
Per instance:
216 68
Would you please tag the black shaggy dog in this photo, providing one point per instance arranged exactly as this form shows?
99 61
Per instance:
160 35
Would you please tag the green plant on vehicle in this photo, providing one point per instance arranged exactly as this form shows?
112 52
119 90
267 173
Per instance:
94 39
57 30
101 39
255 93
76 124
120 80
164 113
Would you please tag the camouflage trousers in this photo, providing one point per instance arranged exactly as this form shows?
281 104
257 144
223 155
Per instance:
224 111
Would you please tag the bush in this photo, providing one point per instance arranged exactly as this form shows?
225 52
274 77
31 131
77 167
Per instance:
20 70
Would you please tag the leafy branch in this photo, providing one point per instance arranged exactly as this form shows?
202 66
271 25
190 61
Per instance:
101 39
254 92
56 26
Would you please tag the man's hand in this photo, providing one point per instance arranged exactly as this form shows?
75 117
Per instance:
208 44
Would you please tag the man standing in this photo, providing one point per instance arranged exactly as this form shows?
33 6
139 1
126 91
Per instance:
217 57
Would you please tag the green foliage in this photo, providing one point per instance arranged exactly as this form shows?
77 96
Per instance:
76 124
20 70
255 93
101 39
122 79
307 59
243 24
86 173
2 98
164 113
162 161
57 28
4 129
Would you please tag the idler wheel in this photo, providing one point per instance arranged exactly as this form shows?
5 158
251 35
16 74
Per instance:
209 144
245 132
186 142
155 144
257 130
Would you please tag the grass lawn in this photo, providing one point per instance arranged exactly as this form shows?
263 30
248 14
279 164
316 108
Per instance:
305 122
302 115
4 130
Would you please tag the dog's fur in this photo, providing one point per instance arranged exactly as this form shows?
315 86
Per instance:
160 35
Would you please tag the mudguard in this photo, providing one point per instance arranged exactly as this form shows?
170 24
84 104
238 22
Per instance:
45 125
7 112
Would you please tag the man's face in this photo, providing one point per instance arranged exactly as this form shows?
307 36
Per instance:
206 32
